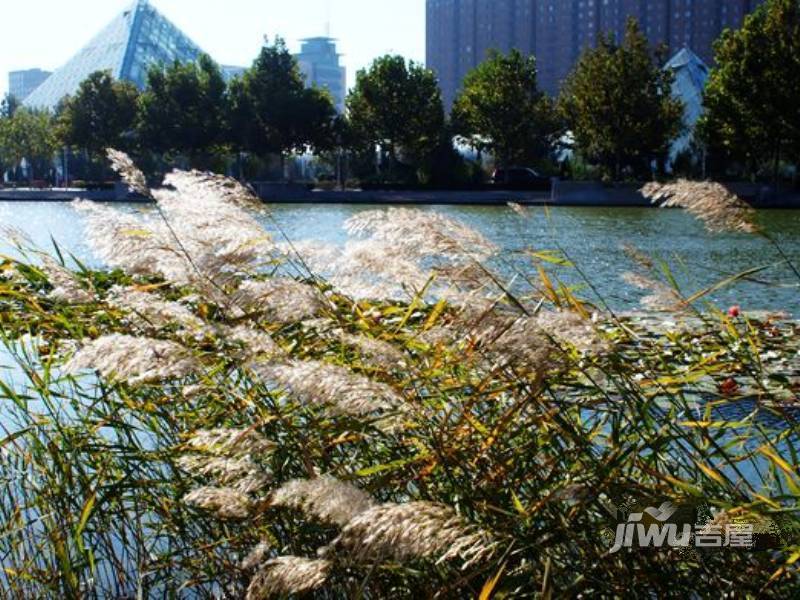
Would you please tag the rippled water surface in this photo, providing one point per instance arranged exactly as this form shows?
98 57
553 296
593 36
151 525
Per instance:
591 237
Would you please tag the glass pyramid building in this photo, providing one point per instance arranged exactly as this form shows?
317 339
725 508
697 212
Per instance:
127 47
691 77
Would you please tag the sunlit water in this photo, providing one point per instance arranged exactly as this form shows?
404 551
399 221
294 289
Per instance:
591 237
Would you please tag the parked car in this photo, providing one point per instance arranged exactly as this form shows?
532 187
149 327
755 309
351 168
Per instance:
521 178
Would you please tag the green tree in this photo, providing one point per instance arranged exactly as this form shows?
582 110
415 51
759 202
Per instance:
501 110
272 111
101 115
618 104
753 111
29 135
397 106
184 110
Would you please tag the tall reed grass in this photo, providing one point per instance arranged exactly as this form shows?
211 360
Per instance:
222 414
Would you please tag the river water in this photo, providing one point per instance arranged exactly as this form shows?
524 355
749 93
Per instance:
591 237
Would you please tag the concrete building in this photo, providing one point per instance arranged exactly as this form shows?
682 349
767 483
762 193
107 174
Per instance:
461 32
22 84
320 65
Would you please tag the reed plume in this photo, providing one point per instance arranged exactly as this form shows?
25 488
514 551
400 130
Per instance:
410 531
66 287
122 164
241 474
420 233
225 503
338 389
662 298
201 234
279 299
288 575
147 311
134 360
324 498
230 442
379 352
229 457
715 205
256 557
253 342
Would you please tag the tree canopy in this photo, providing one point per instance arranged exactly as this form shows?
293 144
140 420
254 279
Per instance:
619 106
502 110
101 115
397 105
184 109
753 110
272 111
30 135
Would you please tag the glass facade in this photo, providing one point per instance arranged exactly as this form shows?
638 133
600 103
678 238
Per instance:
461 32
319 63
127 47
691 76
21 84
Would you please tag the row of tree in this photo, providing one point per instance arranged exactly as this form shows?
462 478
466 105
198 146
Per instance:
616 111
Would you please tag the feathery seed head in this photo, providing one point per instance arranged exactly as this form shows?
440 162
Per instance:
379 351
254 341
288 575
66 287
715 205
410 531
324 498
420 233
226 503
230 442
240 473
331 386
662 298
122 164
256 557
227 189
134 360
149 311
282 299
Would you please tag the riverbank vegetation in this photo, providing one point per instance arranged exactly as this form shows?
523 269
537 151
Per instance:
614 119
221 413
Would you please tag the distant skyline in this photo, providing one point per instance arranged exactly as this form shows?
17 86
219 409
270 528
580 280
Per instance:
46 33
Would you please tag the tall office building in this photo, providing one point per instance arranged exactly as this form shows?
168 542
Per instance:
319 63
135 40
461 32
22 84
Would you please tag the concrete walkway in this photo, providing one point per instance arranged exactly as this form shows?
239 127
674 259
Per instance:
564 193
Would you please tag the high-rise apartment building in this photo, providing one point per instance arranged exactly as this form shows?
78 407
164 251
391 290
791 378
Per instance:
22 84
319 63
461 32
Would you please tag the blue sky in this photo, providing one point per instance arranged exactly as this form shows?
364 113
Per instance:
45 33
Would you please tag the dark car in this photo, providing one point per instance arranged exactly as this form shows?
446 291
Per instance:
521 178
